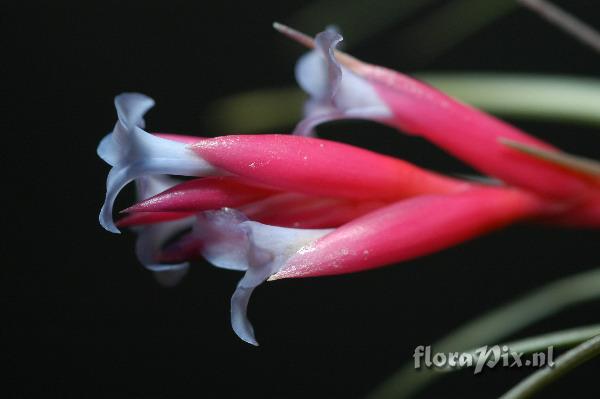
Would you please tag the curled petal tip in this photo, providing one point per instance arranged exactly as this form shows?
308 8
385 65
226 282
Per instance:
131 108
134 153
106 221
239 318
335 91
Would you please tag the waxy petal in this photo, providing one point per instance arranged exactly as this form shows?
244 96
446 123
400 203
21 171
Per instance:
321 167
180 138
152 238
411 228
282 210
230 241
335 92
134 153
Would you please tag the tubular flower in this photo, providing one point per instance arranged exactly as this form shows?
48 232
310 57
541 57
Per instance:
397 232
285 206
280 162
343 87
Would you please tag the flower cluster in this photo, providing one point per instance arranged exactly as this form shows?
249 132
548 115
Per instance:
281 206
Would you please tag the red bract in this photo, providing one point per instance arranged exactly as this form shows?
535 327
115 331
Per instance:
281 206
320 167
201 195
334 80
409 229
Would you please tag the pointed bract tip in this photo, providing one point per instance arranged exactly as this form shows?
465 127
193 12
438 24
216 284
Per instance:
295 35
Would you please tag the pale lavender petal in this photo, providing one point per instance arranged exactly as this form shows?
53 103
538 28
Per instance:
134 153
335 92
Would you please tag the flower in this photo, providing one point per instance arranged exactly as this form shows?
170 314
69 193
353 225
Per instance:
280 162
397 232
341 86
412 228
285 206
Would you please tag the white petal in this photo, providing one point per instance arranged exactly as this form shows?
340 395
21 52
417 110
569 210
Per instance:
270 247
134 153
225 240
336 92
318 73
131 108
233 242
152 238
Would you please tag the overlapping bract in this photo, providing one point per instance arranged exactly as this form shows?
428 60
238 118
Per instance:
278 206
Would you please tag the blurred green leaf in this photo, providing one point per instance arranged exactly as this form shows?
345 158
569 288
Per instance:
525 96
548 98
495 326
262 110
565 363
557 339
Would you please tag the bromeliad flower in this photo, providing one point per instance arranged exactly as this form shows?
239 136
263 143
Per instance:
341 86
259 163
397 232
283 206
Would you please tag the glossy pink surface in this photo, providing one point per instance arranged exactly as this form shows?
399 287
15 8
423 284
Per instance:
143 218
201 195
470 135
409 229
321 167
303 211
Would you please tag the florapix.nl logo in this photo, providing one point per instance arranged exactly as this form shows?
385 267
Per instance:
485 356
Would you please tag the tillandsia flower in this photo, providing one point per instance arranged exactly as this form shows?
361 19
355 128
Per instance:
283 180
258 162
282 206
397 232
341 86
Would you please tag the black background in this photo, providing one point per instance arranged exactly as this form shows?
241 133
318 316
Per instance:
85 320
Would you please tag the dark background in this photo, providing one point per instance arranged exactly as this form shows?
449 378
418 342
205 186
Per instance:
85 320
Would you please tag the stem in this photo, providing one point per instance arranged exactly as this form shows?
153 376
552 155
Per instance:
565 363
565 21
